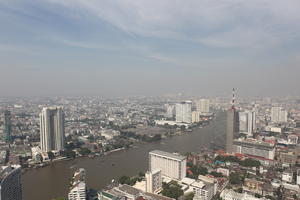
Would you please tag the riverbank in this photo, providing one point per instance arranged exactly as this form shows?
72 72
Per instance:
52 181
177 132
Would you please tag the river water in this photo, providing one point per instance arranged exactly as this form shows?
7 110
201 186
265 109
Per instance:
53 181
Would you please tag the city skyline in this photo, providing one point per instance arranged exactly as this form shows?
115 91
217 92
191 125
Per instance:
140 47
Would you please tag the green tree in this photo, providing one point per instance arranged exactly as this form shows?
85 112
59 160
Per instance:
172 190
189 196
84 151
235 178
124 179
257 195
216 174
69 154
141 174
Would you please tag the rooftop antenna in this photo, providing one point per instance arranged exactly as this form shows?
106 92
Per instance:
233 99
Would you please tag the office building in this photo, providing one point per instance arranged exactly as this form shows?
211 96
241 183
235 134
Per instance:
153 181
78 188
171 165
232 125
253 147
52 129
7 128
202 106
195 117
247 122
184 112
10 183
278 115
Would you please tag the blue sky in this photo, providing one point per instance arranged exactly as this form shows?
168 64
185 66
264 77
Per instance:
124 47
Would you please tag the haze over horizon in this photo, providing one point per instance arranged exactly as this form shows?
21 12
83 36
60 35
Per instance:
124 47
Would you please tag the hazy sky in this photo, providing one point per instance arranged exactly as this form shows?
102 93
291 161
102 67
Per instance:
125 47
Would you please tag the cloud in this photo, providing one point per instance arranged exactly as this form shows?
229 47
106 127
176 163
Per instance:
222 23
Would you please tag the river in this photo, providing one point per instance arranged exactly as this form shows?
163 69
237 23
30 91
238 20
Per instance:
53 181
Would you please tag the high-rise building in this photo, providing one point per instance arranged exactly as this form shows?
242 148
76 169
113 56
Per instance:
78 188
7 126
171 165
170 111
153 181
247 122
278 114
184 112
202 105
10 183
195 117
52 129
232 125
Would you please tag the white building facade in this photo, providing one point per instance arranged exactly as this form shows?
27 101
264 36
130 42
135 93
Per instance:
171 165
247 122
254 148
195 117
184 112
170 110
202 105
278 114
153 181
52 130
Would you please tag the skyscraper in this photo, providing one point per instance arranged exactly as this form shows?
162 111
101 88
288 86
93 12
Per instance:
170 110
7 126
195 117
232 125
278 114
202 105
184 112
247 122
10 183
52 129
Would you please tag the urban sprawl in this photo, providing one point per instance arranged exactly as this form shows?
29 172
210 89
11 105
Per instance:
257 158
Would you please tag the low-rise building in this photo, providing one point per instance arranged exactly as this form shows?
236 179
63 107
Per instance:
288 158
287 176
153 181
253 186
232 195
254 147
78 190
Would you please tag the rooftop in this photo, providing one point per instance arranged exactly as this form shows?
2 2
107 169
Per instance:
167 154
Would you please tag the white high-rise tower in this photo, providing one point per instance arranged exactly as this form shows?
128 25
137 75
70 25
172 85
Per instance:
247 122
52 130
184 112
278 114
202 105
